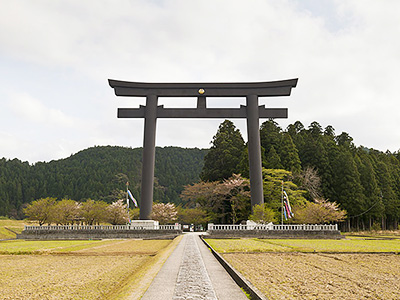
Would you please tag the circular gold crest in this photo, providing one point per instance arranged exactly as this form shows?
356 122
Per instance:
201 91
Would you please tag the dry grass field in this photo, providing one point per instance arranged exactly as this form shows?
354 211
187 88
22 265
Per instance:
366 266
354 268
108 269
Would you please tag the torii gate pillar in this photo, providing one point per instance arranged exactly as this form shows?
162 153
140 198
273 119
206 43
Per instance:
252 112
148 157
254 148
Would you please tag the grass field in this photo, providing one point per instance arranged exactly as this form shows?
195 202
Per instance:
354 268
108 269
9 228
350 244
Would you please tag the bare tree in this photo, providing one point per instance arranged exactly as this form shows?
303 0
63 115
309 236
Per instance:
93 212
226 201
65 212
236 190
311 182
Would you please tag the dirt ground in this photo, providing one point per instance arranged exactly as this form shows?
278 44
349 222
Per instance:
321 275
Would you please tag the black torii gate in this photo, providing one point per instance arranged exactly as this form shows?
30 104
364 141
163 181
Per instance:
252 112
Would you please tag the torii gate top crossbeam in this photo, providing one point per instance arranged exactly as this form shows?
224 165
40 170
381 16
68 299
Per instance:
239 89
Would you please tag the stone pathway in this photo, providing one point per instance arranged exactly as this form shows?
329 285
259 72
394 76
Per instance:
192 272
193 280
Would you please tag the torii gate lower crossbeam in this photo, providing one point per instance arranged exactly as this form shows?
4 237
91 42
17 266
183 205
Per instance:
252 112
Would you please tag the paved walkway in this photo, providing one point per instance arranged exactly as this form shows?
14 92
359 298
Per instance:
192 272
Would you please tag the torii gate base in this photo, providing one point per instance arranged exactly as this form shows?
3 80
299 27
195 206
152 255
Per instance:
252 112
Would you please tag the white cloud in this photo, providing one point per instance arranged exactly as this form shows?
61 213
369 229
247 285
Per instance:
346 58
8 142
31 109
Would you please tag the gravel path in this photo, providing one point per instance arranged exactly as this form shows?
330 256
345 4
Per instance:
192 272
193 280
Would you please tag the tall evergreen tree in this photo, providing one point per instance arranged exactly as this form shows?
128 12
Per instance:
225 154
315 153
329 131
374 206
346 184
272 160
315 129
243 167
387 193
297 133
270 136
289 154
345 140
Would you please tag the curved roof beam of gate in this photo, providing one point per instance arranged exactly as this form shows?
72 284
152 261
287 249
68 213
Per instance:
233 89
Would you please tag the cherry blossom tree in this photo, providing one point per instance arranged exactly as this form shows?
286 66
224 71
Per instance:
117 212
165 213
319 212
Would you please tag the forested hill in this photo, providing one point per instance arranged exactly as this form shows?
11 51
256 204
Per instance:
363 181
97 173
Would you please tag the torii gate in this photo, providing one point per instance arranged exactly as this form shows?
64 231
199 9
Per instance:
252 112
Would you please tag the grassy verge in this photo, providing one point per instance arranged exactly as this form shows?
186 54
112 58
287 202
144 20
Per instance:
9 228
136 285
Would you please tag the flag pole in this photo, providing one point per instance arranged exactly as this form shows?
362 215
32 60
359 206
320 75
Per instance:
282 203
127 201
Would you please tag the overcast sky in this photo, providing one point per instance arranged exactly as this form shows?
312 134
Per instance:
56 57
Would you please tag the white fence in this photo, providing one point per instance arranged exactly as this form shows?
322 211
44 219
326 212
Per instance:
103 227
179 227
303 227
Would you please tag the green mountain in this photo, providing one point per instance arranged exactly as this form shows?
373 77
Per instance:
97 173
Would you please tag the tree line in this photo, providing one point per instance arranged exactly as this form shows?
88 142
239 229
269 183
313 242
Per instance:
327 169
96 173
322 172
